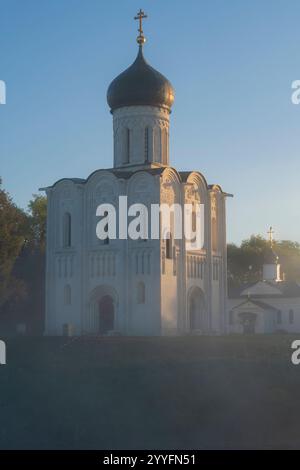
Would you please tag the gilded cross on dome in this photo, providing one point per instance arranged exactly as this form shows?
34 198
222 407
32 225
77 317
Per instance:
140 16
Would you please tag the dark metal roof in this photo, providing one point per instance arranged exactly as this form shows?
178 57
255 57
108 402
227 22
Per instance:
259 303
119 173
184 175
140 84
74 180
127 173
287 289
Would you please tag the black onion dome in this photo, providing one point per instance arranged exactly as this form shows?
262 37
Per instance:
140 84
270 257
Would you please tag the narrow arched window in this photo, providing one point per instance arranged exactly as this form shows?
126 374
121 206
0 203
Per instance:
291 316
127 145
67 295
216 270
146 143
169 246
141 293
67 230
165 146
194 220
279 317
214 230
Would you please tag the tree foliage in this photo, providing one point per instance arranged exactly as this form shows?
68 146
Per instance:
245 262
13 234
37 220
22 261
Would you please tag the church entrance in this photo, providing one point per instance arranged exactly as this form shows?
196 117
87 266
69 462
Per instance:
248 322
197 310
106 314
102 314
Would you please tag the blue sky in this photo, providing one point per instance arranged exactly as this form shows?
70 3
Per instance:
231 63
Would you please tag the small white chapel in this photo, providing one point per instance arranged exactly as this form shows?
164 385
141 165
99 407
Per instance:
271 305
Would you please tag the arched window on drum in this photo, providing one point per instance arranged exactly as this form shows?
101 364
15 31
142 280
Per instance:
141 293
67 230
146 144
169 246
127 146
67 295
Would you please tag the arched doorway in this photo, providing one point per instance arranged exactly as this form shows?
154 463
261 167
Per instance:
196 309
106 314
248 320
102 313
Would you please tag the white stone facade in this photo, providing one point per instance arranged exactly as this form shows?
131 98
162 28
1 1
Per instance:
183 294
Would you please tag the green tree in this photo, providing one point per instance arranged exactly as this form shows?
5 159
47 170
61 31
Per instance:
30 266
13 234
22 263
37 220
245 262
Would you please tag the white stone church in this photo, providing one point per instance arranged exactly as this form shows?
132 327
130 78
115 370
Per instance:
135 287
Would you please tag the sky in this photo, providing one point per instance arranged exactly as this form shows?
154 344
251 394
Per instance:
231 63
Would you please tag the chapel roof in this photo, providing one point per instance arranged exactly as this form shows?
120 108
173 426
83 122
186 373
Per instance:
259 303
286 289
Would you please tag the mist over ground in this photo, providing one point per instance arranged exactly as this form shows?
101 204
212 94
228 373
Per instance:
150 393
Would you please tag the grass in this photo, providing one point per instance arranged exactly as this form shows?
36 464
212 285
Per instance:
150 393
